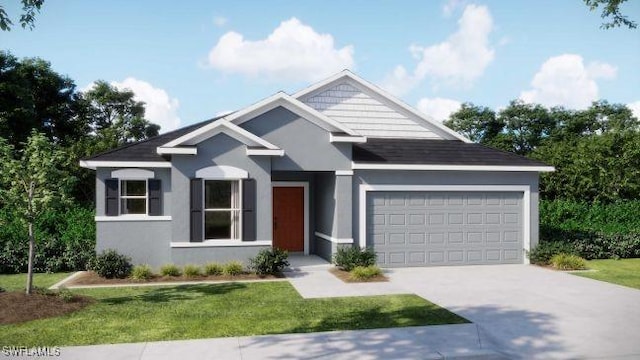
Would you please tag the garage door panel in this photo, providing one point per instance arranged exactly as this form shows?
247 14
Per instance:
445 228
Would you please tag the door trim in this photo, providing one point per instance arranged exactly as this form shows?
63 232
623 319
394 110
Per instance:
526 205
305 186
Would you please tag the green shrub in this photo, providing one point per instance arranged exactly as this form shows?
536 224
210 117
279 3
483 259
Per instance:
347 258
233 268
141 272
190 270
65 240
65 294
109 264
213 269
544 251
170 270
566 215
365 272
269 261
2 290
568 262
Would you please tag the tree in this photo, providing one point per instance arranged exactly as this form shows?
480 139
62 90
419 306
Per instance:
478 123
27 18
527 125
116 117
32 183
611 9
33 96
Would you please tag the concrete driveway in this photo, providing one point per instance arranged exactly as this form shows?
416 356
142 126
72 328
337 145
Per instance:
534 313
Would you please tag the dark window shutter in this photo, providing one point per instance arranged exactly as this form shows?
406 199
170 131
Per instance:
155 194
111 197
196 210
249 210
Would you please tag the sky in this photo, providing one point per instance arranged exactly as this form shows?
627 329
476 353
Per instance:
193 60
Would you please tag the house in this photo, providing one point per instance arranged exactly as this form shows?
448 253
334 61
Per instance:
339 163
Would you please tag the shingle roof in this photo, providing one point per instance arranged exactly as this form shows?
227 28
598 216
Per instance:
434 152
145 150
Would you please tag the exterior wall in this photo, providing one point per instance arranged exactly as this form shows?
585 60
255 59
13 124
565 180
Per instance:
164 174
306 145
203 255
215 151
413 177
146 242
362 112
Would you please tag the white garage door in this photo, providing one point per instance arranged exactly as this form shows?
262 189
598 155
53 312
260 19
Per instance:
422 228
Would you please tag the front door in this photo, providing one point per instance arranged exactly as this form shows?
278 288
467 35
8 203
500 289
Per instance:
288 218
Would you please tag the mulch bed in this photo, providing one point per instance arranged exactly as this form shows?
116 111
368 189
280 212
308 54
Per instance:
17 307
91 278
346 277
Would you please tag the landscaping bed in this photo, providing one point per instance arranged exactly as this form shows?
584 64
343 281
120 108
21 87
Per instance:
91 278
17 307
346 276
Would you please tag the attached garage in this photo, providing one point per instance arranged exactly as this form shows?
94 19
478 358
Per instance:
434 228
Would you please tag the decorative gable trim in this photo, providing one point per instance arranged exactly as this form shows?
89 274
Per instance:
215 128
381 95
293 105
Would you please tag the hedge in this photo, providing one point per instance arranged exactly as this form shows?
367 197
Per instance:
592 231
65 241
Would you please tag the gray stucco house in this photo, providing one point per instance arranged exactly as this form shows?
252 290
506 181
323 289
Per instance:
341 162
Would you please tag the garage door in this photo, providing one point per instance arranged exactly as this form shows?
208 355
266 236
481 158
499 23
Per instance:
410 228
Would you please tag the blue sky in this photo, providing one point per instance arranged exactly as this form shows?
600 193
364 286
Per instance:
192 60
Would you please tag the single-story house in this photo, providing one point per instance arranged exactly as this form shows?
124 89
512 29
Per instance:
339 163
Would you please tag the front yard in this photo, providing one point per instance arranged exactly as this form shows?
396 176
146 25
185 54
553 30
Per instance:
217 310
624 272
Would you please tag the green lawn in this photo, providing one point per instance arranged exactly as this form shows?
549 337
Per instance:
16 282
233 309
624 272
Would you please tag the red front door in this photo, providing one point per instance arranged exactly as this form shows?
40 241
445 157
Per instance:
288 218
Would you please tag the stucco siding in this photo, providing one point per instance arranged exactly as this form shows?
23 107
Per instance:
306 145
203 255
163 174
215 151
146 242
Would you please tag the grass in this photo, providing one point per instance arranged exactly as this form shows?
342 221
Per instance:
625 272
16 282
218 310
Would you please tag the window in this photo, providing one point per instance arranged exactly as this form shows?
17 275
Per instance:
133 197
221 209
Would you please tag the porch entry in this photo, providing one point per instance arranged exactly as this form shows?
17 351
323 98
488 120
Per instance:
290 212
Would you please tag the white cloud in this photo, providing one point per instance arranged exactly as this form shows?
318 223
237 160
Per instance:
160 108
635 108
293 51
564 80
458 61
220 21
438 108
450 6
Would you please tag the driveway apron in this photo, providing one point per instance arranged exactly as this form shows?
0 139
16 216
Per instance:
535 313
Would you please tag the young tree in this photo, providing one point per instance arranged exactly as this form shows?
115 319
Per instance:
32 182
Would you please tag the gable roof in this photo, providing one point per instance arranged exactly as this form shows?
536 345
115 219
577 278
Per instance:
259 108
145 150
429 154
382 97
